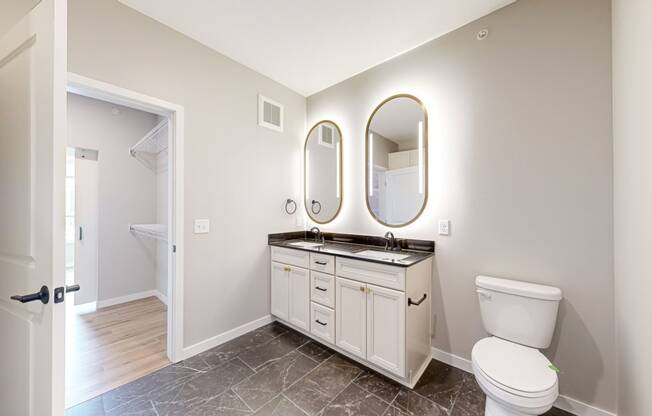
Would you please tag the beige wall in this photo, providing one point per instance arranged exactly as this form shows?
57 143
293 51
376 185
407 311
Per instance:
521 163
237 174
126 193
632 66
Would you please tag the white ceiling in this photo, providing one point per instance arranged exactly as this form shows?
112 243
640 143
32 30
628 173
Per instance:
309 45
398 120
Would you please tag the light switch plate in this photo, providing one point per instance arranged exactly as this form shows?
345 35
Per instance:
444 227
202 226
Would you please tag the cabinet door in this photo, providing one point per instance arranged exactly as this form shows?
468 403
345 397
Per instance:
299 311
350 315
279 290
386 328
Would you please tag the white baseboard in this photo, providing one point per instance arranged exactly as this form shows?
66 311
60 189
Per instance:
452 360
128 298
219 339
161 297
84 308
568 404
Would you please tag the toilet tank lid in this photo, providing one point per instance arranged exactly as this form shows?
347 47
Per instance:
515 287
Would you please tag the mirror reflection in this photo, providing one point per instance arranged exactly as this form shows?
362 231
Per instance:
323 172
396 160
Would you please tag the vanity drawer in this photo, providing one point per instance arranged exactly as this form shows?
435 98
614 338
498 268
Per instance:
322 288
322 322
289 256
392 277
322 262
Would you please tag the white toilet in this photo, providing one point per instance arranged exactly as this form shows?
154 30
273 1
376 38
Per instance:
517 379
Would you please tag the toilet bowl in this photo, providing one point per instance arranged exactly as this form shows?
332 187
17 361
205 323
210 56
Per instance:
516 377
517 380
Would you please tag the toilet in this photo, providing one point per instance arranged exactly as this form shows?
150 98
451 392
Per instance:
520 317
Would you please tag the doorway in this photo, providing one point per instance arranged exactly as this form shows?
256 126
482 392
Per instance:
122 237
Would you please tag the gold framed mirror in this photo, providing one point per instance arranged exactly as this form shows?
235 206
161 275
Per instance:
396 160
322 178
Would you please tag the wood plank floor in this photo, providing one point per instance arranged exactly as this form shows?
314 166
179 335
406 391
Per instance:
113 346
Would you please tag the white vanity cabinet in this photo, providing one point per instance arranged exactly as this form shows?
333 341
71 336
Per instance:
357 307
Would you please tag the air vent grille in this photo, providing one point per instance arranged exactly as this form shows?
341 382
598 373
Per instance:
326 135
270 113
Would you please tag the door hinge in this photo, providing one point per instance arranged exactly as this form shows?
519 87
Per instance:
174 248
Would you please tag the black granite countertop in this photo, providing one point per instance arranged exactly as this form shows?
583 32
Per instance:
359 247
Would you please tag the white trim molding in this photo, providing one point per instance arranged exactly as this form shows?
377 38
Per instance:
568 404
127 298
219 339
108 92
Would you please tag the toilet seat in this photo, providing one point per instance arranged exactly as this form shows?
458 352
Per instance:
517 376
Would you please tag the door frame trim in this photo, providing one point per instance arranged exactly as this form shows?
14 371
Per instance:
92 88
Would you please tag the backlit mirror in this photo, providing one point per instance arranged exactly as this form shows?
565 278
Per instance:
397 160
323 172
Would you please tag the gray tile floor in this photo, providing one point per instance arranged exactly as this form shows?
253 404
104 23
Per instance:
277 371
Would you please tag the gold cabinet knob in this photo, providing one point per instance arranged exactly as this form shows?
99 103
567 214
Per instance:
362 288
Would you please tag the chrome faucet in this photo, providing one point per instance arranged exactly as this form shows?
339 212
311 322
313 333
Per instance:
390 244
319 236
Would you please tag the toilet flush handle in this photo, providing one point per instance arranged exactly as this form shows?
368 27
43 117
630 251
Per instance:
484 293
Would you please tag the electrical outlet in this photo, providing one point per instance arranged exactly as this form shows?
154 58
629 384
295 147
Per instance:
444 227
202 226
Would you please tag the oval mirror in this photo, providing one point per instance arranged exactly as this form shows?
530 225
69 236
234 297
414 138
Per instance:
397 160
323 172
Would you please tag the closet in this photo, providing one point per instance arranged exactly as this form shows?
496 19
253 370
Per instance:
152 152
117 250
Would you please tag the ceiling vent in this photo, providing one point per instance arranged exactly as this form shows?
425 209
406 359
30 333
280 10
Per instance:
326 135
270 113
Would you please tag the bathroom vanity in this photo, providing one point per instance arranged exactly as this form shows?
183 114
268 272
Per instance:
351 294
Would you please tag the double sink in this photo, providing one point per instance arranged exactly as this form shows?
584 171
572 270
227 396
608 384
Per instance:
341 249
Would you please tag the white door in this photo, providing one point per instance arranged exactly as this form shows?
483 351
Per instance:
32 237
403 199
299 311
86 221
350 313
280 290
386 328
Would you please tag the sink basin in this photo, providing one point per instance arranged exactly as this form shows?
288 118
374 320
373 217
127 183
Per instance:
382 255
305 244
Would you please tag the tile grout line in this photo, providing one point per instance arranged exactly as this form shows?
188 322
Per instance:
241 399
237 357
296 405
286 389
307 356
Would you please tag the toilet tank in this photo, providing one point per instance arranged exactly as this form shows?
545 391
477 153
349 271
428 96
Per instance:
517 311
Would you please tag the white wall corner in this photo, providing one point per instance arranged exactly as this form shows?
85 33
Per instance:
219 339
568 404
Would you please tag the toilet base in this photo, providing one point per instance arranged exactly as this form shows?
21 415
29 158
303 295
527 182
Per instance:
494 408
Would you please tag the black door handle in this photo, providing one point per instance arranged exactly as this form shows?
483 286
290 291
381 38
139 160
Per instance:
417 303
72 288
43 295
81 233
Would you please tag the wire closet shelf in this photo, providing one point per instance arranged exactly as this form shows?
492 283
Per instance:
154 142
155 231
